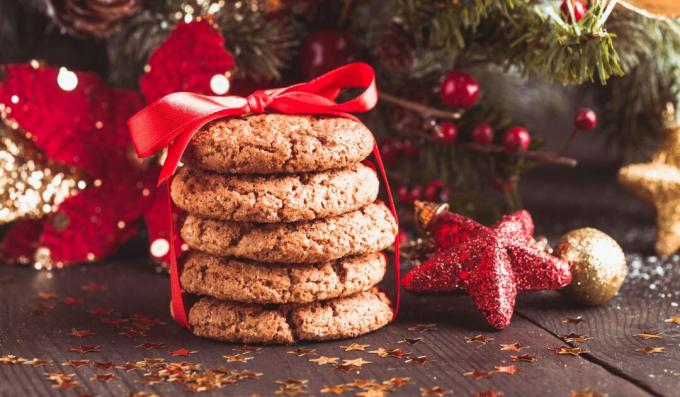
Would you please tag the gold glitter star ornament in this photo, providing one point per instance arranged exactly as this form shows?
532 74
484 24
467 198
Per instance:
658 182
597 264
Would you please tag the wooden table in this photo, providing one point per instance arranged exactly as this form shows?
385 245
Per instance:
130 286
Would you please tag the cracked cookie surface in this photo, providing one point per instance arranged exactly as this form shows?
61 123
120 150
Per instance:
340 318
278 143
253 282
369 229
274 198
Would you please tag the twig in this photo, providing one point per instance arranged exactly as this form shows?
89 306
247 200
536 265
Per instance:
424 111
347 4
540 156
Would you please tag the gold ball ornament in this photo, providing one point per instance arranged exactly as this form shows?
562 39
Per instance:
597 264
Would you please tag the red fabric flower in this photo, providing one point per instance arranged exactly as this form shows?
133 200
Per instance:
186 61
85 128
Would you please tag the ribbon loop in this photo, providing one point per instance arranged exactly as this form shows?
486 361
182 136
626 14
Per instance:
258 101
170 122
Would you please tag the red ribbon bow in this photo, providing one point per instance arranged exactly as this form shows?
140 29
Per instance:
170 122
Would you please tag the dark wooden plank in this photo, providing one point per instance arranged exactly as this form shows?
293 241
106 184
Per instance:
650 295
132 287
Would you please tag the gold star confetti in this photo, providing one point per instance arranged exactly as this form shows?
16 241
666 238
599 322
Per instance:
247 349
292 387
150 345
506 369
336 389
434 391
382 352
85 349
488 393
37 362
76 363
481 339
568 351
362 383
93 287
673 319
46 296
513 347
127 367
105 377
646 335
419 360
11 359
300 352
132 333
344 367
61 380
100 311
81 333
182 352
411 341
423 327
356 362
103 365
354 347
478 374
573 320
574 338
246 374
372 393
527 358
143 394
323 360
398 381
238 358
649 350
587 393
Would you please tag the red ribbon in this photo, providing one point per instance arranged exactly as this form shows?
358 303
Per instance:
170 122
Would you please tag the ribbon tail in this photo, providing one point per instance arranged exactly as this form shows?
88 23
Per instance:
393 209
179 312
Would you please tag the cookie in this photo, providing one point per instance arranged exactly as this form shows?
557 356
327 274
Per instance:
369 229
274 198
247 281
347 317
279 143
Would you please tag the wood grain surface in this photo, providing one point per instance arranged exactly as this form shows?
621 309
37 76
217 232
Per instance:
612 367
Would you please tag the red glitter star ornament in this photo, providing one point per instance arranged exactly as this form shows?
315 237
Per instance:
490 263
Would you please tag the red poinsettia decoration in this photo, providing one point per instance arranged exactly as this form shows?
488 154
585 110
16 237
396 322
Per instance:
80 123
492 264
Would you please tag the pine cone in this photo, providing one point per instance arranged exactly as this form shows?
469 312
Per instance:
394 48
97 18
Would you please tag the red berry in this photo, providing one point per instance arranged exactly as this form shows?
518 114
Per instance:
482 134
435 191
409 148
459 90
445 132
324 50
579 9
389 150
585 119
516 139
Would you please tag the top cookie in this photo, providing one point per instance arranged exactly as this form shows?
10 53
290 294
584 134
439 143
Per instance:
278 143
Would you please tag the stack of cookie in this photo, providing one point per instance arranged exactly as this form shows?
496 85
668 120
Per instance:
284 230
